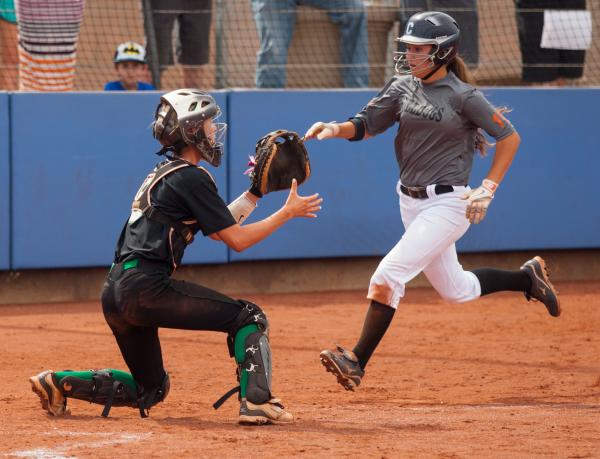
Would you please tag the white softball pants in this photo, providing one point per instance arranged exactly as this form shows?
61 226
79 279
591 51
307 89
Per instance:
432 226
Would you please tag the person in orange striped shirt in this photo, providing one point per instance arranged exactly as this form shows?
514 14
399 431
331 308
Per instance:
48 34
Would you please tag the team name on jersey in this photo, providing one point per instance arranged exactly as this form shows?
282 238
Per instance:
428 112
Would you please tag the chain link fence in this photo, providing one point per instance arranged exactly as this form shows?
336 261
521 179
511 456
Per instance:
289 44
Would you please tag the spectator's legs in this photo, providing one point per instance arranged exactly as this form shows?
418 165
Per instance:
9 60
354 38
164 19
571 57
194 32
275 20
537 61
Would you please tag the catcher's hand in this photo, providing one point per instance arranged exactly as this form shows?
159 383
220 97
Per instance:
280 157
478 200
322 131
302 206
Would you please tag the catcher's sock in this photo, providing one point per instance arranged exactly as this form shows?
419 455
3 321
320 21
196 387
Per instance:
118 375
240 353
498 280
376 323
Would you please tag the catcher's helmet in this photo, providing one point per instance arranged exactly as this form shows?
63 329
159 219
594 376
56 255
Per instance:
179 121
430 28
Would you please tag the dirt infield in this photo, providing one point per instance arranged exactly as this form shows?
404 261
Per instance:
494 378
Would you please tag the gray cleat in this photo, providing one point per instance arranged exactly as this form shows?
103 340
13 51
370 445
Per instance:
541 288
344 365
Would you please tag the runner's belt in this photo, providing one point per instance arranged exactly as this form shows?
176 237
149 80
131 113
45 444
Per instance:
420 192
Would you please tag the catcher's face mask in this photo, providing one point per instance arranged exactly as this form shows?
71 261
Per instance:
208 139
415 59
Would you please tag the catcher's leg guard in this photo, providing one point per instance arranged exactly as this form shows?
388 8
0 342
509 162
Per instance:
251 320
106 387
110 388
252 353
253 356
249 345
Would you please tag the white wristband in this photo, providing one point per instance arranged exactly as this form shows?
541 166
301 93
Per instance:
241 208
490 185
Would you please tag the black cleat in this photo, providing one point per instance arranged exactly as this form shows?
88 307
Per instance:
344 365
541 288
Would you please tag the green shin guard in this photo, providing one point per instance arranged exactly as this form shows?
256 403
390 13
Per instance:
254 364
240 355
122 376
248 343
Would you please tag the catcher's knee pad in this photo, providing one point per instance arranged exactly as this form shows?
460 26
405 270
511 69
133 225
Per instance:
149 398
101 388
249 314
255 369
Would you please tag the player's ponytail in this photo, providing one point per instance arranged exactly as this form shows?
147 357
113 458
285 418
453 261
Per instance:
460 69
462 72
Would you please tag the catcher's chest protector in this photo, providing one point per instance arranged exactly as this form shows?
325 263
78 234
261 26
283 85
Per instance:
143 206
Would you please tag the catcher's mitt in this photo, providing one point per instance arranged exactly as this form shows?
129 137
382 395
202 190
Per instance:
280 157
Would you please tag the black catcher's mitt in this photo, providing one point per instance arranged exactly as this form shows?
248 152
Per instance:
280 157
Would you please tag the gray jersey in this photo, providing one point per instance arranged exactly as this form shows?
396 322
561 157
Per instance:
435 141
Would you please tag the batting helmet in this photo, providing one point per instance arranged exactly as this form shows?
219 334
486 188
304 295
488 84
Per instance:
430 28
179 121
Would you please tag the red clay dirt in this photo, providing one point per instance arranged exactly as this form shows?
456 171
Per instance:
493 378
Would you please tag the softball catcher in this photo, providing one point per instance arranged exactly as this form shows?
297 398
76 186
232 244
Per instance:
440 115
175 201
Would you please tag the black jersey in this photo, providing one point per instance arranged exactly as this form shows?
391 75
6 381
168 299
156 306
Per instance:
188 195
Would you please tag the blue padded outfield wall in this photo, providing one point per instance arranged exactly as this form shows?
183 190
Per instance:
356 179
71 163
75 175
4 183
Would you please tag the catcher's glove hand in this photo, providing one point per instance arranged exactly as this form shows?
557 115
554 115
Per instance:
280 157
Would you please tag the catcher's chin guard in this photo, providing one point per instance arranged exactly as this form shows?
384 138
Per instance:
105 390
280 157
254 368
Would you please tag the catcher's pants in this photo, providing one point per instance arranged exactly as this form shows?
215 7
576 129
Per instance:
138 301
432 226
